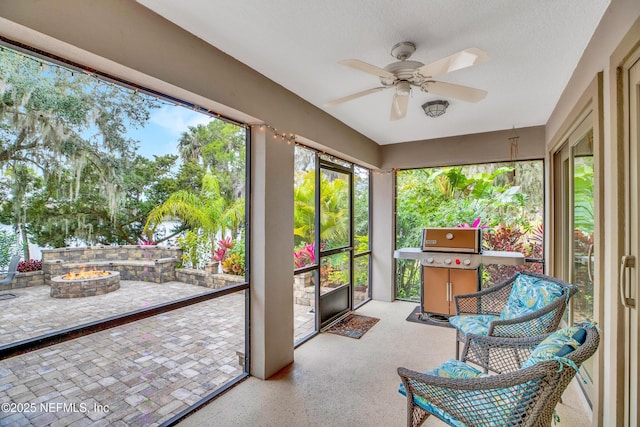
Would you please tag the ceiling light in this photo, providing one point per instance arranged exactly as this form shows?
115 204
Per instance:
403 88
435 108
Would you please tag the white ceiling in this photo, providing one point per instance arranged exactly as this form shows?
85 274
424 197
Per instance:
533 46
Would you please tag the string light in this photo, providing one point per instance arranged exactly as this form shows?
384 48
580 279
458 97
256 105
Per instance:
283 136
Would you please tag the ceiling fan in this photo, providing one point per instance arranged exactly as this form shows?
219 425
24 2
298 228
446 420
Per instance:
404 74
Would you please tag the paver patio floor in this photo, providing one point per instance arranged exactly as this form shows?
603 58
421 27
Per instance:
140 374
35 313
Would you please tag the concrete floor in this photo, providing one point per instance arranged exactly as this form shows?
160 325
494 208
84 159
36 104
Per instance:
339 381
148 371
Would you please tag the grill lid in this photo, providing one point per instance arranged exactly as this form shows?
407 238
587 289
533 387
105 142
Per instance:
457 240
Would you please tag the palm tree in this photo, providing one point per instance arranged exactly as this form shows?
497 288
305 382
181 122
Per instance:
191 142
204 211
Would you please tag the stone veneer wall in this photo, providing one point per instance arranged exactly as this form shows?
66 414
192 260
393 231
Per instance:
207 280
149 263
304 291
25 280
111 253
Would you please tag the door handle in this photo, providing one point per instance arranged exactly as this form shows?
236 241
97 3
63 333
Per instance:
589 268
627 261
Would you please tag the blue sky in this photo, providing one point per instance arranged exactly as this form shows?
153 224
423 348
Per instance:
161 134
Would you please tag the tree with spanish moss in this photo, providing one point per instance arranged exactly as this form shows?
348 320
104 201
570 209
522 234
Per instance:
62 127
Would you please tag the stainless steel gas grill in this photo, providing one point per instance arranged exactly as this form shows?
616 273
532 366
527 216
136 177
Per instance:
451 259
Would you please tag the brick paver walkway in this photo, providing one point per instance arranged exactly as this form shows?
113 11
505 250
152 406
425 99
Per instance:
304 321
139 374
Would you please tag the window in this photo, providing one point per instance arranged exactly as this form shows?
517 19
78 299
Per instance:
145 195
505 199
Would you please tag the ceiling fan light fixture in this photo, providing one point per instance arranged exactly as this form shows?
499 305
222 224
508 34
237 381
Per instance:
435 108
403 88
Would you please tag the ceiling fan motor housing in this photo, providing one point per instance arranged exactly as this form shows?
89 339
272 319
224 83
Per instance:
403 70
403 50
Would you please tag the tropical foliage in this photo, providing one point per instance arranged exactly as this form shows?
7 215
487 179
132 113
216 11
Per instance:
334 214
508 199
217 206
583 233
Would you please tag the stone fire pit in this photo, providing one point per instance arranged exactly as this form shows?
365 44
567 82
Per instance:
97 284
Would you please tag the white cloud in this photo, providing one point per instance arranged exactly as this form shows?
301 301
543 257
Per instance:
177 119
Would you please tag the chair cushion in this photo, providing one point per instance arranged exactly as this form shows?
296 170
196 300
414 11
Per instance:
558 344
478 325
529 294
452 368
535 293
514 309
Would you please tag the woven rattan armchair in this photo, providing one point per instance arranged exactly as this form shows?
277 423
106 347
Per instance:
520 397
487 309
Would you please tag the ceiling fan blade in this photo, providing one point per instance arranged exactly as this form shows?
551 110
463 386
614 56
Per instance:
354 96
399 106
462 93
367 68
457 61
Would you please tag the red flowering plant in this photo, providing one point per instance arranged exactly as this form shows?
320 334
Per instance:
513 239
306 255
222 250
30 265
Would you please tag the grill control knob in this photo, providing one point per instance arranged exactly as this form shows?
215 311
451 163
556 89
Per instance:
430 260
466 262
447 261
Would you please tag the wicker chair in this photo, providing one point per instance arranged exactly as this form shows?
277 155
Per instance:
491 311
520 397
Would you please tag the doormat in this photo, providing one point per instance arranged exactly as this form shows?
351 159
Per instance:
7 296
353 326
416 316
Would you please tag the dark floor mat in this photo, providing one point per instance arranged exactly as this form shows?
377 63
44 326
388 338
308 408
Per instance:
353 326
434 320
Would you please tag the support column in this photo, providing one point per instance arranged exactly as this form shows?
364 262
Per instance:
383 237
271 274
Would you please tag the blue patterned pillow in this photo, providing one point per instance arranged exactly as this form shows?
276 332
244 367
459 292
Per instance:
513 309
535 293
558 344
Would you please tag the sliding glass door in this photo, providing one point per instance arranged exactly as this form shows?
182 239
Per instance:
575 227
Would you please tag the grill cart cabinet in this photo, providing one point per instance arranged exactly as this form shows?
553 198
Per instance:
439 285
451 259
